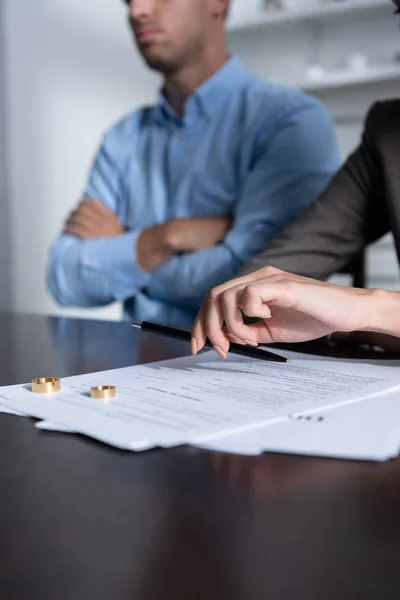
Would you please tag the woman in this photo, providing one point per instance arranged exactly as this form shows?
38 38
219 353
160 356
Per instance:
293 309
360 205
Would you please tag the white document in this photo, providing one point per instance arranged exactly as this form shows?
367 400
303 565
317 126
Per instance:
194 399
9 411
50 426
367 430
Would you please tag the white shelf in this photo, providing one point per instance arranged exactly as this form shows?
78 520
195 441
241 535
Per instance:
320 12
347 79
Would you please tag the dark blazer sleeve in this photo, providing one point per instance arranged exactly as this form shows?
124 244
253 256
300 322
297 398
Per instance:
350 214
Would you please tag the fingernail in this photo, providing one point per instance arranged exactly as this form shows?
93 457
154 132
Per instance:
250 343
220 352
193 346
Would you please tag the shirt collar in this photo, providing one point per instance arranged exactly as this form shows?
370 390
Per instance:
210 96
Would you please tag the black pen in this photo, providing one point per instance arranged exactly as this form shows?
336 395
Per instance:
179 334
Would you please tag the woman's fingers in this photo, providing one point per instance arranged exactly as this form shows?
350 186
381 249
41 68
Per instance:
231 303
209 323
208 308
222 311
256 300
199 335
214 323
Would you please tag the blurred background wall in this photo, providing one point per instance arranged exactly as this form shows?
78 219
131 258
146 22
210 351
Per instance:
68 70
5 256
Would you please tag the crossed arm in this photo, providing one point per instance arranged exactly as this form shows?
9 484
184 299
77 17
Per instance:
92 223
179 261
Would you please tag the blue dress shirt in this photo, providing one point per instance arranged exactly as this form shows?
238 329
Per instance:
243 147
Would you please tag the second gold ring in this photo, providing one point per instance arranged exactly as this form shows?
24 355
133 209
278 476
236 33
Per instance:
102 392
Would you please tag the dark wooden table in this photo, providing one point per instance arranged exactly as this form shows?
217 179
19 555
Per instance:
82 521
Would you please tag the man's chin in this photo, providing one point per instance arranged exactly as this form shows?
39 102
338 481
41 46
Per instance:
157 62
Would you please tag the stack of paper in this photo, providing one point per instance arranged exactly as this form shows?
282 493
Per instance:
309 406
369 430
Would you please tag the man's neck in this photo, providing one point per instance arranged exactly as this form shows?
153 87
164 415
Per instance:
179 86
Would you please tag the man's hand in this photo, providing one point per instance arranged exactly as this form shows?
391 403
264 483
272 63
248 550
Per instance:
290 309
153 248
91 219
157 244
197 233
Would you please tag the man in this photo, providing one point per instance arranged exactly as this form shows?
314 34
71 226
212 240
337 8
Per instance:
361 204
184 193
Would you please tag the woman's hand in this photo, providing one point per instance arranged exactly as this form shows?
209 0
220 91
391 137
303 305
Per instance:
291 309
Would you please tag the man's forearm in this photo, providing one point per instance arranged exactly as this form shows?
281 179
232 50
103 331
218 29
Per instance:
159 243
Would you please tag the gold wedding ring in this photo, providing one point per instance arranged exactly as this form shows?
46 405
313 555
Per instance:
102 392
46 385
